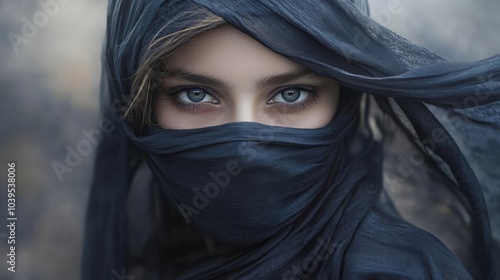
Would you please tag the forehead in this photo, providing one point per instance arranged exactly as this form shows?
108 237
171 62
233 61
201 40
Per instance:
226 50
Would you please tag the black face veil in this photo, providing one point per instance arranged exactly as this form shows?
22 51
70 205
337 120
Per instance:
415 87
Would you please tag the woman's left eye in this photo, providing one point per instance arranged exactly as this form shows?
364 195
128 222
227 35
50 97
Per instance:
290 95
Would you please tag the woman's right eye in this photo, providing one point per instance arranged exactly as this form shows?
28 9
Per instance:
195 95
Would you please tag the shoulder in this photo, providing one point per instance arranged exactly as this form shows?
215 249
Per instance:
387 247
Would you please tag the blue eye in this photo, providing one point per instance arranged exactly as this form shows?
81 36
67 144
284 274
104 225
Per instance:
195 95
290 95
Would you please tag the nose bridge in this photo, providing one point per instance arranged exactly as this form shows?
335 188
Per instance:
245 108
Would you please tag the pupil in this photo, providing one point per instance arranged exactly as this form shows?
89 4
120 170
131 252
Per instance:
196 95
291 95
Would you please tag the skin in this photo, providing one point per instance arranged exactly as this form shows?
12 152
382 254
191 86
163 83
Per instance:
224 75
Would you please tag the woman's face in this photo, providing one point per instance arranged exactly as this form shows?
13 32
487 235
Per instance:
224 75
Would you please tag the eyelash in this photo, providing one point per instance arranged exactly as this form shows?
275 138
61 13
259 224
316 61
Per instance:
172 95
298 106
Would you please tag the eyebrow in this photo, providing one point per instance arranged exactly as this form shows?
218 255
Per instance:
196 78
284 78
262 82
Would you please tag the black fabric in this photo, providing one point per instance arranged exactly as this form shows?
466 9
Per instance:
338 40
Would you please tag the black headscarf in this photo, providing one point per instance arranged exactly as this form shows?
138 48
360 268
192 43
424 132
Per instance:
357 239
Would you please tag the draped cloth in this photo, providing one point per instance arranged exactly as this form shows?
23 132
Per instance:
416 88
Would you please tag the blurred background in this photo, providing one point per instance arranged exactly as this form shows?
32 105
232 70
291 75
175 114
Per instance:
49 86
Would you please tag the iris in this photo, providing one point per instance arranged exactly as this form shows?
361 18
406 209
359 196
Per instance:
291 95
196 95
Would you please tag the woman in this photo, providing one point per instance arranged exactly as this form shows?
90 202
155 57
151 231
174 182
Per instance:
251 146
